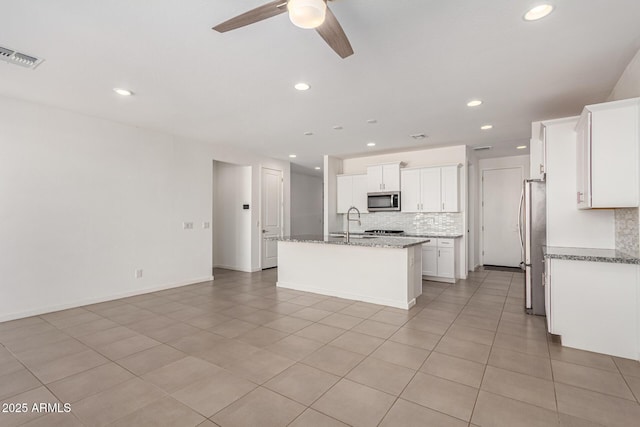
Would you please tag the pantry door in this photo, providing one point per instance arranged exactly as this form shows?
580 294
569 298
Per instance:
500 198
271 215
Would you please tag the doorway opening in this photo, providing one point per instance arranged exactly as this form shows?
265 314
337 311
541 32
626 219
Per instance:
231 221
272 215
501 190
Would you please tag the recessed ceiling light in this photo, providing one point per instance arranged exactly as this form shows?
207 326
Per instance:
371 144
486 127
338 127
521 147
308 133
293 156
474 103
372 121
538 12
123 92
302 86
317 168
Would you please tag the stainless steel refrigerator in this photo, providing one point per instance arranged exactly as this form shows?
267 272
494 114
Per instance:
532 226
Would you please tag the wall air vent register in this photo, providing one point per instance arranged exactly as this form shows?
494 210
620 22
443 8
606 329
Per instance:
13 57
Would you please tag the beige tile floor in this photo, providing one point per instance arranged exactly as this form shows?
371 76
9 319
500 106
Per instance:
240 352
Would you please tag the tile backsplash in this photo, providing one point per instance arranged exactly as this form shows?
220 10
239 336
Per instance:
412 223
627 231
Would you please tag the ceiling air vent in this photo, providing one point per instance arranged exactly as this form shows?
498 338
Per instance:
18 58
485 147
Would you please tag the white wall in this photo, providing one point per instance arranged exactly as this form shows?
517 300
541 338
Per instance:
306 204
332 221
628 86
566 224
412 159
84 202
473 215
231 223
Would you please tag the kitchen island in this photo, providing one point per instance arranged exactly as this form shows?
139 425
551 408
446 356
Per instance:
379 270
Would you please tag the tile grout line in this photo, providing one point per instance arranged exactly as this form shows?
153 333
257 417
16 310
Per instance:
427 358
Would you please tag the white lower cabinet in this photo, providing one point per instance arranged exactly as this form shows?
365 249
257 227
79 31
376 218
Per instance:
429 260
439 260
594 306
446 263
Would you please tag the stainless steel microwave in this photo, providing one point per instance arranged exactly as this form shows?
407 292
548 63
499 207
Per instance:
383 201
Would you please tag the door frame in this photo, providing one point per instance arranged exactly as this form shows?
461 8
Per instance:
281 210
481 202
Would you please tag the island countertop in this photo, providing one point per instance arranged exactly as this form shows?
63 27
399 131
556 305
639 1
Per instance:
356 240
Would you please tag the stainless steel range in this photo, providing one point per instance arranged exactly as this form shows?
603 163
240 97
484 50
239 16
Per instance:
385 232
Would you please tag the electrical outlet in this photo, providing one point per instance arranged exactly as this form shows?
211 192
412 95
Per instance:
206 224
138 273
187 225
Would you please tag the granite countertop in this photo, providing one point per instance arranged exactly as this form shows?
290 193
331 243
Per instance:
357 240
589 254
434 235
411 235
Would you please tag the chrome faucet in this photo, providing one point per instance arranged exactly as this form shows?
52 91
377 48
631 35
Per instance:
349 220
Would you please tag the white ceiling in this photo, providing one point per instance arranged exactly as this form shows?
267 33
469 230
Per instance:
416 64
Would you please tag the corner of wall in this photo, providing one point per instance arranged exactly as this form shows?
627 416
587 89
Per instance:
628 86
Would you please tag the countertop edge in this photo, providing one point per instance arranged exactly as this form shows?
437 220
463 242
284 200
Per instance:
615 258
359 243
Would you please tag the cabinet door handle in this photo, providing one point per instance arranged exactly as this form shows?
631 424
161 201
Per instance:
442 205
541 168
580 197
438 252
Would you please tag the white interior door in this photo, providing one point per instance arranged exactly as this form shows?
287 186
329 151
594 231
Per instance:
500 197
271 215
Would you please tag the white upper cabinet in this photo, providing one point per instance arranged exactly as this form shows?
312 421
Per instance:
411 196
449 192
432 189
607 155
352 191
537 151
383 178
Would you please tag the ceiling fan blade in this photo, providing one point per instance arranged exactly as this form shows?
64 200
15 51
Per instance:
265 11
331 31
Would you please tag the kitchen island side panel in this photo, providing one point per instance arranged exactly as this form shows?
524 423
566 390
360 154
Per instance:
387 276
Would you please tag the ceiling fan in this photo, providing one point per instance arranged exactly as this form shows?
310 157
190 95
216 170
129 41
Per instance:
304 14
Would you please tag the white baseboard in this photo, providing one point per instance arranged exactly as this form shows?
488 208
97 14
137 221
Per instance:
438 279
88 301
236 268
348 295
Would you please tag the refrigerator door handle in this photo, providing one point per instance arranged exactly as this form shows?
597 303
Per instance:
520 230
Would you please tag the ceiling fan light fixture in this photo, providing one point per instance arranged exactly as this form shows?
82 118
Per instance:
307 13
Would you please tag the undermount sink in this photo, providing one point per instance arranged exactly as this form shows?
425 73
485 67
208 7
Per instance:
352 236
